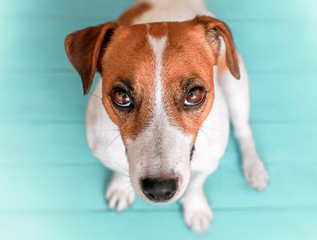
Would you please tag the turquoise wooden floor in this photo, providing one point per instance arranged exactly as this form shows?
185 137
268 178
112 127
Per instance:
52 188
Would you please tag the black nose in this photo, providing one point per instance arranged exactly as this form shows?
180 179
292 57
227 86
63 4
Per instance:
158 190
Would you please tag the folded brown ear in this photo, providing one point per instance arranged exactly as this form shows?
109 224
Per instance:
83 50
216 28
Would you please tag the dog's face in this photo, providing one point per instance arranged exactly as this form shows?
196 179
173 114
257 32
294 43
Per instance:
158 89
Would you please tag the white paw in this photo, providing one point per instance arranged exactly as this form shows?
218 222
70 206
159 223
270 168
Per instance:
255 174
119 193
198 217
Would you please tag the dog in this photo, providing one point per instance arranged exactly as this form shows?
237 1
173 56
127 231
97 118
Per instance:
159 116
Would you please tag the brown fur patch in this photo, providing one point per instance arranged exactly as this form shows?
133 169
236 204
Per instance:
157 30
129 56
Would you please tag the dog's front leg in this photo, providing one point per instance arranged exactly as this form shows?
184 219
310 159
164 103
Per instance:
196 210
119 192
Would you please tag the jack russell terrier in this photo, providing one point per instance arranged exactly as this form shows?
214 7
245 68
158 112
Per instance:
159 116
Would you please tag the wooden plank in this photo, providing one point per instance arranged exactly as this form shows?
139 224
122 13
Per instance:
64 9
81 187
49 144
227 225
37 45
268 10
44 144
283 97
42 96
243 9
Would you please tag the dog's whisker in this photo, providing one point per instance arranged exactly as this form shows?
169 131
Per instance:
197 154
205 135
125 173
131 191
122 165
217 130
112 142
106 149
96 96
127 182
125 169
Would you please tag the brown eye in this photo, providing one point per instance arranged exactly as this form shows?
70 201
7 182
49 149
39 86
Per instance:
121 98
194 97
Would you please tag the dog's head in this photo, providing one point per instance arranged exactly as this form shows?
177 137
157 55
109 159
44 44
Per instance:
158 89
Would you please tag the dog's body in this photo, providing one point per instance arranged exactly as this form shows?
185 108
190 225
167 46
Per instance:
232 96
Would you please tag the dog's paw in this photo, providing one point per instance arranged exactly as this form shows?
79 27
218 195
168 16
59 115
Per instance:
255 174
119 193
198 217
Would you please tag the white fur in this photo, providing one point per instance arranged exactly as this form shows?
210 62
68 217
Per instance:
211 142
119 192
238 99
158 47
173 10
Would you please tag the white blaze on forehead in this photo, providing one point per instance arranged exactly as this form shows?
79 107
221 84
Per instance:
158 47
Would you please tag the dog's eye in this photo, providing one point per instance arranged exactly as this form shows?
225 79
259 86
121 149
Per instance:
121 98
194 96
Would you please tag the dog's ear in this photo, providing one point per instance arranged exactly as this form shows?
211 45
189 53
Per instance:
214 29
83 49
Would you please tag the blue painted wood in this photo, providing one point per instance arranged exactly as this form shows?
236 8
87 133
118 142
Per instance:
81 186
238 224
243 9
64 9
